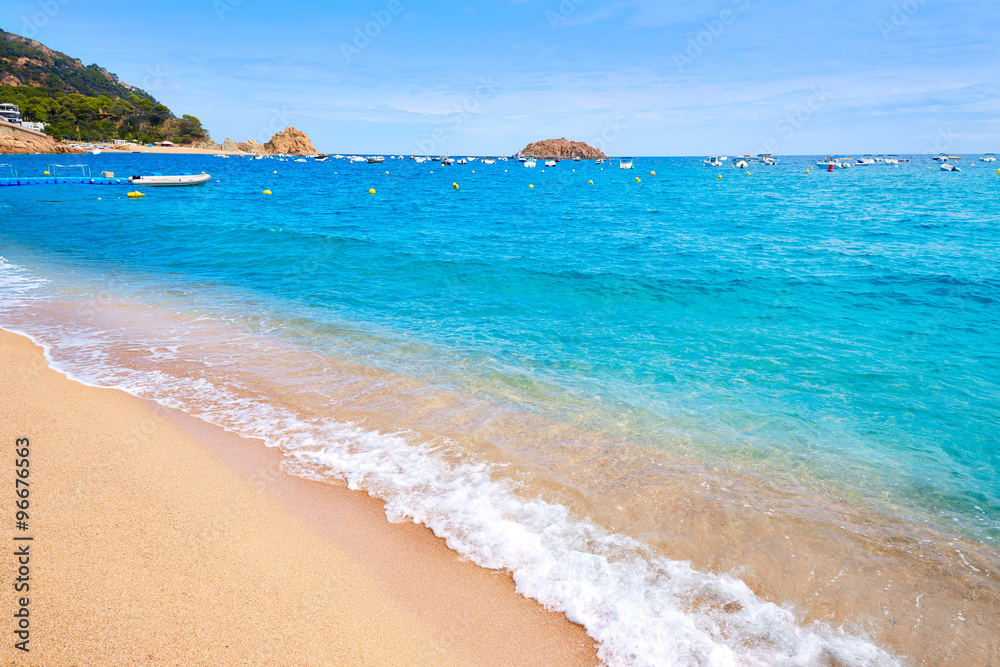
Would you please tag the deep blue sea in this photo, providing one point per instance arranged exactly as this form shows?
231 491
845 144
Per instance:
481 356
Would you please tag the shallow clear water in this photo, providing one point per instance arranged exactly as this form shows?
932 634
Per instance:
834 333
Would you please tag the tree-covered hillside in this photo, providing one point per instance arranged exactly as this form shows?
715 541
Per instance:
83 102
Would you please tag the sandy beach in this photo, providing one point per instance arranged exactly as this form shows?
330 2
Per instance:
161 540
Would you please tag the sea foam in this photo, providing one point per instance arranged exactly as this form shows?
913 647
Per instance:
642 608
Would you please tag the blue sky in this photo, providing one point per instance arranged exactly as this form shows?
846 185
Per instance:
633 76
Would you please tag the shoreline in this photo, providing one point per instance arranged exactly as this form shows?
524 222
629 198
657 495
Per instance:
146 551
851 578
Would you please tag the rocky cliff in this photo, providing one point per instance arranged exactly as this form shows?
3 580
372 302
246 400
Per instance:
291 142
562 149
17 143
288 142
229 146
252 146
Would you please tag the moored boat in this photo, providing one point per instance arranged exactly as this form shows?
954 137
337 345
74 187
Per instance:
165 181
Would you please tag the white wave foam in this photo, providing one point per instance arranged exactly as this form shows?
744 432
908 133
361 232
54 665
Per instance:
642 608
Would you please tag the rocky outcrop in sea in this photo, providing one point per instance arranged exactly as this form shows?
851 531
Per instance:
562 149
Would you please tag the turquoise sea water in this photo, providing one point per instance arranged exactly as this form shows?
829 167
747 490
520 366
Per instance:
837 332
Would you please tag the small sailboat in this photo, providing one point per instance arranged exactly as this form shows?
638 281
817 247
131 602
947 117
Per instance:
622 164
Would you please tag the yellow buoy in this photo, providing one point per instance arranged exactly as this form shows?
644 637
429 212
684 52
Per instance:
531 186
998 172
473 171
590 182
276 172
266 192
46 173
455 185
372 191
720 175
637 180
748 173
135 195
807 171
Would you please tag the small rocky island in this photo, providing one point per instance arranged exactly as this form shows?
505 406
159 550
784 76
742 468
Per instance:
562 149
289 141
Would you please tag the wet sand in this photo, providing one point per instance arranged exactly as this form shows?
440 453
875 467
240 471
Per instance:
159 539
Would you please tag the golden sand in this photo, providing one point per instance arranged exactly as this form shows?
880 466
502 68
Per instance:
160 540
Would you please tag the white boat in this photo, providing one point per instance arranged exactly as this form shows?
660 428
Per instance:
376 159
338 157
741 163
530 164
301 159
989 157
835 161
892 159
489 161
471 159
447 161
462 161
550 163
864 161
322 158
622 164
164 181
768 159
946 166
713 161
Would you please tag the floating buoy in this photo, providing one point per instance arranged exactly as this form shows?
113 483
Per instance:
135 195
455 185
807 171
386 173
531 186
372 191
831 168
266 192
748 173
998 172
720 175
275 172
652 173
590 182
45 173
473 171
637 180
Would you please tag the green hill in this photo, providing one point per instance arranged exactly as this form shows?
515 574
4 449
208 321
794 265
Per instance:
85 102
